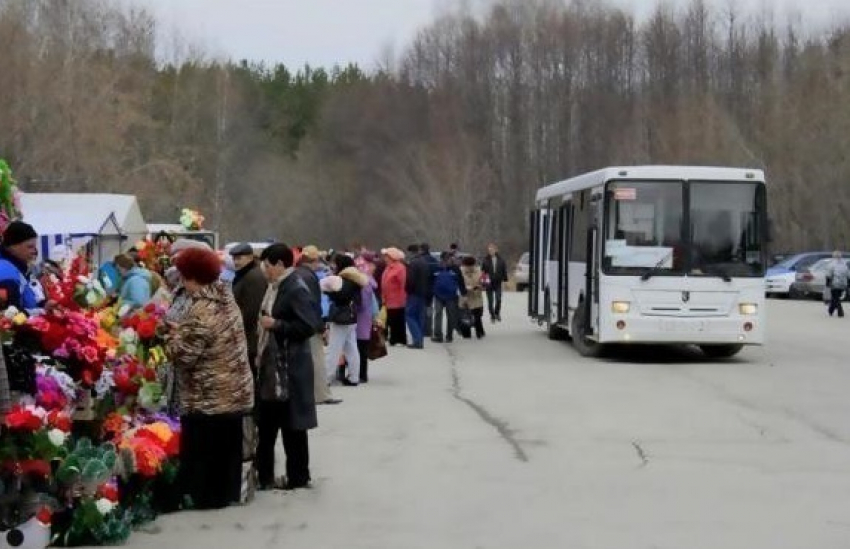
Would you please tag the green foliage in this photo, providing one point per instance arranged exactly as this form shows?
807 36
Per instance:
88 464
88 526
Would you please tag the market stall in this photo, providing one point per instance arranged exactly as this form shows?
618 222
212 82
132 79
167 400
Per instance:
104 224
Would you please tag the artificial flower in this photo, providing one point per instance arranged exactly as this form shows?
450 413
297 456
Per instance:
147 328
109 491
23 419
57 437
49 393
148 455
44 516
34 467
59 420
90 354
105 506
161 433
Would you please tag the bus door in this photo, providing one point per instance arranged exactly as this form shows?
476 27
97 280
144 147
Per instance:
553 266
533 239
564 229
594 249
537 263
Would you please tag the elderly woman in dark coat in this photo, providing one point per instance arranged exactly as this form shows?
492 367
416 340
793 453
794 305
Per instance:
285 382
210 357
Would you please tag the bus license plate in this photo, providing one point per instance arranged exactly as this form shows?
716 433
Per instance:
678 326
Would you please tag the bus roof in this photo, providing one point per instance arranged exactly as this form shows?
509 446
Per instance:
685 173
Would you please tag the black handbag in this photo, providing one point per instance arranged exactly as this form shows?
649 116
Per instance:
377 348
20 367
272 375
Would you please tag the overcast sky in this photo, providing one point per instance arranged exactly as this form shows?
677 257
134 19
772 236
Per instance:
325 32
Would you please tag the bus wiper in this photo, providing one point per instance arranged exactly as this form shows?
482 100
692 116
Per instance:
719 272
656 269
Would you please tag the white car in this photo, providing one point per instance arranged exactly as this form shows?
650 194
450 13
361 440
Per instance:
779 278
521 273
779 284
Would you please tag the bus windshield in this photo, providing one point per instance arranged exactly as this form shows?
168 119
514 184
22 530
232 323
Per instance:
726 229
646 228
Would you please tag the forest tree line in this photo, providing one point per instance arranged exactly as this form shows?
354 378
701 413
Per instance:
448 141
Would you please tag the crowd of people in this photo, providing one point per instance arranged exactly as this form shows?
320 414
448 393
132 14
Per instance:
256 342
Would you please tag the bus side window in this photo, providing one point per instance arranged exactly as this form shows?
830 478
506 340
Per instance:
581 223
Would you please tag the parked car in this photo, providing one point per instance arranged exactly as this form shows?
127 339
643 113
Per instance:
811 281
521 272
780 277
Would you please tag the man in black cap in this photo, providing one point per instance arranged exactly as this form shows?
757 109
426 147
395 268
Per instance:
249 288
18 251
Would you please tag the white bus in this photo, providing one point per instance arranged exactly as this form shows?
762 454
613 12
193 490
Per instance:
652 255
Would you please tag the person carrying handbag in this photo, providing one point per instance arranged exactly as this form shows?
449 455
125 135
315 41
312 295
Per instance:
367 310
286 398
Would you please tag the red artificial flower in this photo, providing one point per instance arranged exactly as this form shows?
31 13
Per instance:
172 448
52 400
113 425
54 337
59 420
149 456
90 354
125 383
150 308
44 516
38 324
108 491
23 419
149 374
91 374
35 467
147 328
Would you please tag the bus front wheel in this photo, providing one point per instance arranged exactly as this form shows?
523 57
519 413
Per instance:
583 345
721 351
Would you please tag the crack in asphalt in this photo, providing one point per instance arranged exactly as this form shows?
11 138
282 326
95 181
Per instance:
724 393
501 426
644 459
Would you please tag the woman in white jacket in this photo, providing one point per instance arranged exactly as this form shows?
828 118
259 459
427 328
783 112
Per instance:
344 293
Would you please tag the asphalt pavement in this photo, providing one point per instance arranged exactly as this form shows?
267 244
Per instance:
516 441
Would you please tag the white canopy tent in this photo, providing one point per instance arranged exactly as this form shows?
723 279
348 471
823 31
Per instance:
107 223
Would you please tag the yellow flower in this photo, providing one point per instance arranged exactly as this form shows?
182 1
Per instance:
107 319
19 319
156 357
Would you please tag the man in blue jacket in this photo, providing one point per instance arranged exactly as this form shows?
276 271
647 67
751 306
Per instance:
136 288
448 287
433 267
18 251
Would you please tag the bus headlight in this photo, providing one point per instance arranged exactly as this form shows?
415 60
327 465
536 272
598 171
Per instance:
748 309
620 307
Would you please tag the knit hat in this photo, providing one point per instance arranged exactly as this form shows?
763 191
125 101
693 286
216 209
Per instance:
18 232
